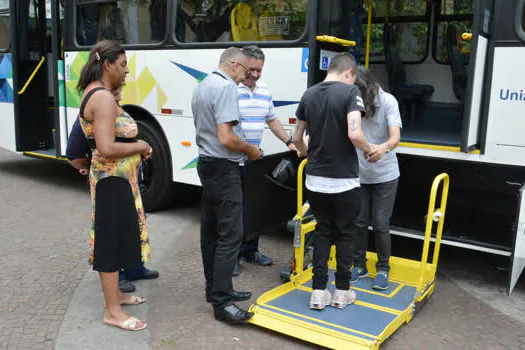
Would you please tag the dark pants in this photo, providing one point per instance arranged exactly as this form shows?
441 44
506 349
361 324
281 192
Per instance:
251 246
335 215
221 225
130 274
376 209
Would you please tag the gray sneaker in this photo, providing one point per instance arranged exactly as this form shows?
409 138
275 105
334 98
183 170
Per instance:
320 299
343 298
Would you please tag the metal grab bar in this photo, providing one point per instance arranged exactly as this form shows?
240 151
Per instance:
298 228
431 215
32 76
335 40
300 172
466 36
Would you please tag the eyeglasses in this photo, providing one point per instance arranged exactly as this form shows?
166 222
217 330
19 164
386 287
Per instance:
242 65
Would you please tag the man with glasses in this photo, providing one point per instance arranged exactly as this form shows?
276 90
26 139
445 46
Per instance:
257 111
221 144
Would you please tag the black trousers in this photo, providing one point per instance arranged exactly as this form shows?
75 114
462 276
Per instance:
336 215
377 205
221 225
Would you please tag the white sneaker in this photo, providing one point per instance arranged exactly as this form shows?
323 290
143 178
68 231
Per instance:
342 298
320 299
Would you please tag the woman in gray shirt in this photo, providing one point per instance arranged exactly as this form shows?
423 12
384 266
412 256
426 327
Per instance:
378 174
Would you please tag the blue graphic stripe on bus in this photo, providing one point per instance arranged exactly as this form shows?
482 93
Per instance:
284 103
191 165
6 73
197 74
6 67
191 71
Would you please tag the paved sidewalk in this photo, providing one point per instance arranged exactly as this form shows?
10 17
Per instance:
52 299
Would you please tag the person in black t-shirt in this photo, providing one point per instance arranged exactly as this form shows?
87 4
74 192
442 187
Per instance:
331 112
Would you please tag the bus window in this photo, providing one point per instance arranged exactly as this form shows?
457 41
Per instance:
454 16
5 29
128 22
411 23
523 19
238 21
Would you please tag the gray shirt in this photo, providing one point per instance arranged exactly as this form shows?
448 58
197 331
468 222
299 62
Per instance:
376 131
215 102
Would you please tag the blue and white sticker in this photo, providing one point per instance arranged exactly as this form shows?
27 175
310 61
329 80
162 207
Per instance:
326 56
304 61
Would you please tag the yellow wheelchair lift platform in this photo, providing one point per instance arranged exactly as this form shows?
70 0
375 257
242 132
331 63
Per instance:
375 315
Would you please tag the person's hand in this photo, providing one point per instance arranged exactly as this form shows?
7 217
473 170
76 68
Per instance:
254 153
292 148
377 153
81 164
370 151
146 149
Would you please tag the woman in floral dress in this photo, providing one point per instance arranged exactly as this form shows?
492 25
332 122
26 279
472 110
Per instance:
119 235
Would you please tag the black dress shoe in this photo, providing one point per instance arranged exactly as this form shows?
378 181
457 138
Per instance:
146 274
231 314
236 296
258 259
126 286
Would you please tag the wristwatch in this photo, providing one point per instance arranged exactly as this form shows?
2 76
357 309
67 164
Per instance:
389 149
289 142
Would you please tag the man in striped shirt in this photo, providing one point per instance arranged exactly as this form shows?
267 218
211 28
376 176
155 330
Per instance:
257 111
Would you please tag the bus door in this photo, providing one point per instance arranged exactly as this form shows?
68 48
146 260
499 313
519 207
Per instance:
336 25
36 49
476 81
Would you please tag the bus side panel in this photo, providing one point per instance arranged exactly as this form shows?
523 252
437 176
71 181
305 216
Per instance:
7 111
64 127
506 120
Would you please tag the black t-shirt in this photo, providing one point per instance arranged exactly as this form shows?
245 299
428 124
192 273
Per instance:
325 108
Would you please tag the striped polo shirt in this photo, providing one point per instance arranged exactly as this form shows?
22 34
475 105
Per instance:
256 109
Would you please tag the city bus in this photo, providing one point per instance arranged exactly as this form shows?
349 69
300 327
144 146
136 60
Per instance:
453 65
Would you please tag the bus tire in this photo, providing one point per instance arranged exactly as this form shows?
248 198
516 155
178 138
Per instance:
156 185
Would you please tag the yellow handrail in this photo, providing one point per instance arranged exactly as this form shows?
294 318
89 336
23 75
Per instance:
466 36
300 172
335 40
32 76
299 250
428 230
368 34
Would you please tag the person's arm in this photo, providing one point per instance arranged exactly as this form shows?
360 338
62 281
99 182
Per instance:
355 133
355 108
231 141
394 132
298 138
278 130
226 109
104 111
300 128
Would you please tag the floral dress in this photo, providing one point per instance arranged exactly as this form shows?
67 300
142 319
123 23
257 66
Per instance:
121 226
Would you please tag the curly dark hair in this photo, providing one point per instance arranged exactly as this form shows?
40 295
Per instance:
369 87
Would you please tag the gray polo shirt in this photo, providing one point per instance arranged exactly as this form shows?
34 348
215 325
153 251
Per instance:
215 102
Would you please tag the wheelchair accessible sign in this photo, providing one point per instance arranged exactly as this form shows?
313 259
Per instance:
324 61
325 58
